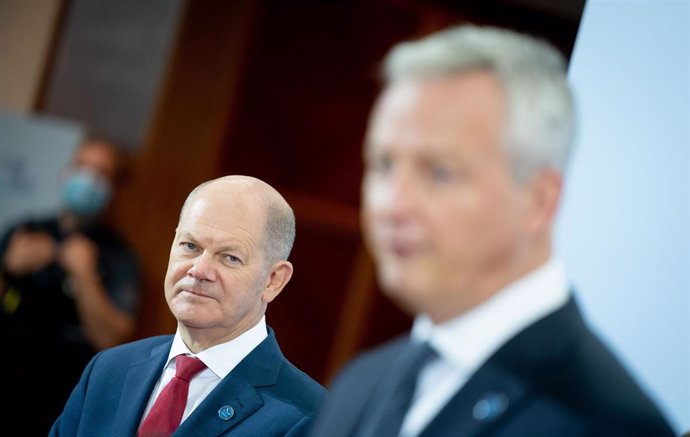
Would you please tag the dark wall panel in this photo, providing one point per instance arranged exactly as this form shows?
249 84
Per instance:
110 63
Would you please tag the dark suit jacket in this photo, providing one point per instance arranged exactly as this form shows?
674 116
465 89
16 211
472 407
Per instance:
269 396
555 378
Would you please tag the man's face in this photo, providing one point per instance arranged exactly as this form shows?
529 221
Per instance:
97 157
441 213
86 187
217 271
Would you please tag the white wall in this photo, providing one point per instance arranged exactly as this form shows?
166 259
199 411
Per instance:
624 227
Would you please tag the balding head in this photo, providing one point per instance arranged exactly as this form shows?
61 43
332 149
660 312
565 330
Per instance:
250 192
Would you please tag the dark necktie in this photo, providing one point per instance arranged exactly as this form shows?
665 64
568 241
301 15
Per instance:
166 414
397 393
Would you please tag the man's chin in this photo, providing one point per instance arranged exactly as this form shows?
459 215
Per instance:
404 293
189 315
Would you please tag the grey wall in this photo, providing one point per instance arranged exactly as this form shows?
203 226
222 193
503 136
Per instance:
110 64
34 152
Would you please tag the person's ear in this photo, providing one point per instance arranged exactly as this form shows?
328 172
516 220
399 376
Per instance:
545 195
280 275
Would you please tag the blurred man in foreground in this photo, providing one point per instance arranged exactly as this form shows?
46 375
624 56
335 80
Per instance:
464 157
222 373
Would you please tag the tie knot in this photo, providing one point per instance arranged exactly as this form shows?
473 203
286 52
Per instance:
419 354
396 390
186 367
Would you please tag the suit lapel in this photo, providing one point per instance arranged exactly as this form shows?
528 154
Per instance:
138 385
505 382
489 395
236 396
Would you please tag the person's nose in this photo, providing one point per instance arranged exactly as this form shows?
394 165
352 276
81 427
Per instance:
203 268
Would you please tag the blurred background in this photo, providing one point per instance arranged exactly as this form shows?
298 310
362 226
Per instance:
281 90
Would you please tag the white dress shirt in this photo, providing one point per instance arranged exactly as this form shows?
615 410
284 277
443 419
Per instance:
467 341
219 360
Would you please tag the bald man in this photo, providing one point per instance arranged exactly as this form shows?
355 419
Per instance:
222 373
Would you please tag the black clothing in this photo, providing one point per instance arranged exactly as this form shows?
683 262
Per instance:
554 378
44 345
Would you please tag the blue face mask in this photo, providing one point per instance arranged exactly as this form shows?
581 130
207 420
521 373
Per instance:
85 193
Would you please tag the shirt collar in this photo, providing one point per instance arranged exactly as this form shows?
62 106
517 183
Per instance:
222 358
471 338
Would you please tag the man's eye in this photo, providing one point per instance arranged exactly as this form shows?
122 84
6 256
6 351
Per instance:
380 164
188 246
440 174
233 259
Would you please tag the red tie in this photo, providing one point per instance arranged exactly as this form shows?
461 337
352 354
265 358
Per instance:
166 414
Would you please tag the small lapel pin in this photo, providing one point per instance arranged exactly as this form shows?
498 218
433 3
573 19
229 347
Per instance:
226 412
490 406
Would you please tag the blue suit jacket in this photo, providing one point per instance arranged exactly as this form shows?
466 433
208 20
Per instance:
268 395
555 378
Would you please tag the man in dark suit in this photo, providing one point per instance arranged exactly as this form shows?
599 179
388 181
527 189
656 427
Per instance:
227 262
464 160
